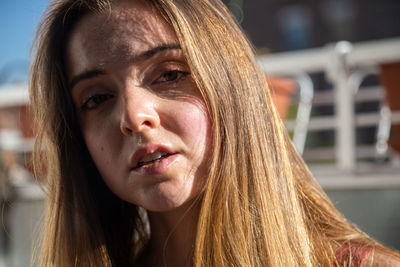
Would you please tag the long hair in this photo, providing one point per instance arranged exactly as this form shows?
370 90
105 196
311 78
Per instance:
261 205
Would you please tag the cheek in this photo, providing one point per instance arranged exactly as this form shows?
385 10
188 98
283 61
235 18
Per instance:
196 125
96 148
99 145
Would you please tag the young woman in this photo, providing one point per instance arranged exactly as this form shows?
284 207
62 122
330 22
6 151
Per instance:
162 146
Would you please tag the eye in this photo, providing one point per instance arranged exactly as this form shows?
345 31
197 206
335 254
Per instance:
171 76
95 101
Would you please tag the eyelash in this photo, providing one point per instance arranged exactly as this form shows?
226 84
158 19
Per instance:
94 101
179 76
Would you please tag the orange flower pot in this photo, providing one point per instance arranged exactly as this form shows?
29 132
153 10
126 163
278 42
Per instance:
282 90
390 77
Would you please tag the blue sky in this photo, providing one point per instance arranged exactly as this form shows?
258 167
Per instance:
18 20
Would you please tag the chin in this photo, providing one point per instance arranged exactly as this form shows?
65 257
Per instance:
167 201
165 204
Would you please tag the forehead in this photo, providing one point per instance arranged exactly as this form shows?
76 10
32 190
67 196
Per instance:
129 28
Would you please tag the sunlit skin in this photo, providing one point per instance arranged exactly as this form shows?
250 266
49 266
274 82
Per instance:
134 95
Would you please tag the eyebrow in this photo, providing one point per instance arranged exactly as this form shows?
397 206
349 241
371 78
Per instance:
142 56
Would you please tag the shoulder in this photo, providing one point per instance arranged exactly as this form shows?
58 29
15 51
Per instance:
382 258
356 255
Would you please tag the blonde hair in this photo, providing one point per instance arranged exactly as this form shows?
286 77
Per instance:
260 207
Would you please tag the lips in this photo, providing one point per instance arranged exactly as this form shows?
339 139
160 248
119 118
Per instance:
151 158
150 154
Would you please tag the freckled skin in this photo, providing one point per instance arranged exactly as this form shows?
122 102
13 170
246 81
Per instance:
141 109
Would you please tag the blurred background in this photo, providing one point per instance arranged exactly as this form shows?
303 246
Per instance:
334 71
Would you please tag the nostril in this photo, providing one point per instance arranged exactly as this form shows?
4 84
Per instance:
129 127
127 130
147 123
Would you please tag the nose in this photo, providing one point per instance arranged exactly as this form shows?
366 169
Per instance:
139 112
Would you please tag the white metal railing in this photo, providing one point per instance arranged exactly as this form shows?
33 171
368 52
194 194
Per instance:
14 95
364 54
345 65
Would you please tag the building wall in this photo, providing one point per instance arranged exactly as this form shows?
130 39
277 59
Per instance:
281 25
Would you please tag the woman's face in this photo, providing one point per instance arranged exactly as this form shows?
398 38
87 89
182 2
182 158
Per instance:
142 117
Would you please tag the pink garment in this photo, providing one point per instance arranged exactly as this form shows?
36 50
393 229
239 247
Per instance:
352 255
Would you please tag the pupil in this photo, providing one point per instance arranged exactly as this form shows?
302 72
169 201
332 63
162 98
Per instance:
172 75
99 99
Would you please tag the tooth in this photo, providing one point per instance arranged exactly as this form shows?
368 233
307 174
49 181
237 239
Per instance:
156 155
151 157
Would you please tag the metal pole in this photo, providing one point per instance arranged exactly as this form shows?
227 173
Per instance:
344 109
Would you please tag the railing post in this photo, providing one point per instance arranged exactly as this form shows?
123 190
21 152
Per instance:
344 109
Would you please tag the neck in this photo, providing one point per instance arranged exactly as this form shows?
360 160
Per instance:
173 235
